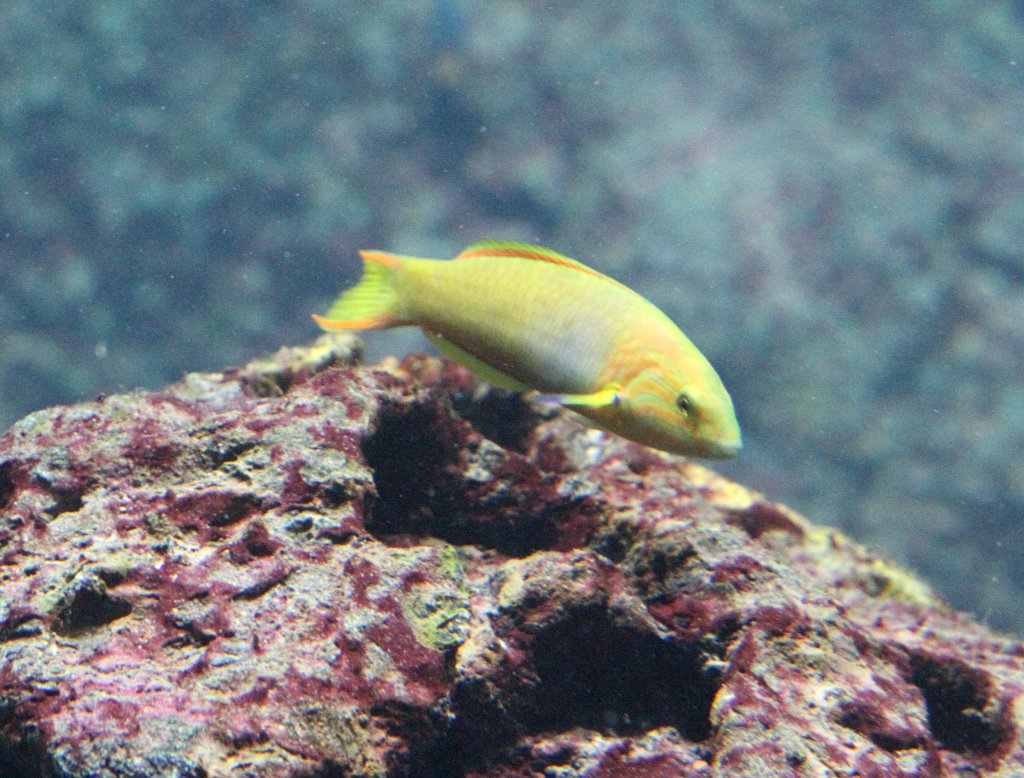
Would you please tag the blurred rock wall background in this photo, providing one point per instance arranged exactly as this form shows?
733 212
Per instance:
828 197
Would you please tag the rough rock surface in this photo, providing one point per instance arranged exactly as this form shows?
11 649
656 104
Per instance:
310 568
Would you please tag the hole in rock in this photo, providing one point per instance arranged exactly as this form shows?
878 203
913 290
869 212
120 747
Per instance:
867 716
65 500
24 753
430 752
7 486
762 517
596 674
89 605
483 726
224 451
256 542
499 415
213 507
434 476
962 713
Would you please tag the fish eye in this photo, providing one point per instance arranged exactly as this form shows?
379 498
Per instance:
683 401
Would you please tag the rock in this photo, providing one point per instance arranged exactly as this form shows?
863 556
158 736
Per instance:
308 567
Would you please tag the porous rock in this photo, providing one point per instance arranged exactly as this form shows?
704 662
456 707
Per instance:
307 567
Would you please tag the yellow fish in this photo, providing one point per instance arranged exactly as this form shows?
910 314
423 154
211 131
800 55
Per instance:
526 318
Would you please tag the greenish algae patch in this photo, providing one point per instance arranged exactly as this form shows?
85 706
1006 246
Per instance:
438 611
836 553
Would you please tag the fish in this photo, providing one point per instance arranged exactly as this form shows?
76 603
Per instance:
526 318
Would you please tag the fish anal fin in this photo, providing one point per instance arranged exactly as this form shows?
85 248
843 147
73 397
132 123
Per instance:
489 374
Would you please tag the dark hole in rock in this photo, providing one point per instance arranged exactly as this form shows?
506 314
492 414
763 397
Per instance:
194 635
430 752
299 525
236 509
213 507
20 622
66 500
499 415
408 451
223 451
255 542
615 542
7 486
88 605
336 493
596 674
271 383
111 577
26 753
867 716
422 457
466 738
762 517
962 714
483 725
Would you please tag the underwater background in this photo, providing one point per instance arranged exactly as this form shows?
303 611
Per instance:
827 197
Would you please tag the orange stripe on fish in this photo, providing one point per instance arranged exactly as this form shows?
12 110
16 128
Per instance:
505 248
389 260
556 326
365 323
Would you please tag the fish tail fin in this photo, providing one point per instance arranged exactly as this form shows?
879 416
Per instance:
373 303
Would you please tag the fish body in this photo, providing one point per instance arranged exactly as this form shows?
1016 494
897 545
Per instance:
525 317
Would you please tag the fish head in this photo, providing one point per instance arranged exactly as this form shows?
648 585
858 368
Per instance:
680 405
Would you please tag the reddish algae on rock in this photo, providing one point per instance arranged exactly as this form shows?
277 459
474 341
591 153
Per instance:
307 567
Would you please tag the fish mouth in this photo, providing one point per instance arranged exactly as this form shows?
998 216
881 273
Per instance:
721 450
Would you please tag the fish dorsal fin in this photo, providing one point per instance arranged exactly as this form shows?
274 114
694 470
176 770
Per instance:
511 248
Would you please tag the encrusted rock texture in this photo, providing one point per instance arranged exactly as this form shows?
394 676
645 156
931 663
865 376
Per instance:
309 567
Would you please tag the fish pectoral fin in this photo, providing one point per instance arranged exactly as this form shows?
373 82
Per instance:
490 374
600 399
